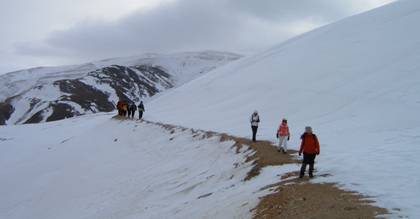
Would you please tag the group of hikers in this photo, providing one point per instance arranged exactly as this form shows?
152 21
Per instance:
309 143
309 146
129 108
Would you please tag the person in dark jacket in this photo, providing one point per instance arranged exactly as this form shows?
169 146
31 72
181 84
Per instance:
255 120
133 109
129 109
141 110
310 148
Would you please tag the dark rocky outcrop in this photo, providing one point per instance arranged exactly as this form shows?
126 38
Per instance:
36 118
124 79
61 111
88 93
6 111
88 97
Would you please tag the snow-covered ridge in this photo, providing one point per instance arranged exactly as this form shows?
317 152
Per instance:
357 82
97 167
53 93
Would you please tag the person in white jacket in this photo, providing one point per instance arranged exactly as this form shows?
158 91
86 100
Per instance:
255 120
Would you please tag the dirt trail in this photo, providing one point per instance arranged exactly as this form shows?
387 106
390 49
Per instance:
309 200
293 197
299 198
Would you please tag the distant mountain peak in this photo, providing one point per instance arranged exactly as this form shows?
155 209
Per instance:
52 93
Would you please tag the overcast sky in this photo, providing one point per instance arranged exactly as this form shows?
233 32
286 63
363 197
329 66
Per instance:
56 32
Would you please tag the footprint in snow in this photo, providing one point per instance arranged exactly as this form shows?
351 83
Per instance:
206 195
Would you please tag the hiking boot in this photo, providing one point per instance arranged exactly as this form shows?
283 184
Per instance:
311 175
300 176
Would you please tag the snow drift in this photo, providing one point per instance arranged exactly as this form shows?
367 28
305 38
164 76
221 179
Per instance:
356 82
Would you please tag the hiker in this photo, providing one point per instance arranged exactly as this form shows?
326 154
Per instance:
120 107
283 135
255 119
141 109
310 148
133 109
124 108
129 109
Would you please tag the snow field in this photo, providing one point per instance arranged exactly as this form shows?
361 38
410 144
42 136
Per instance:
97 167
356 82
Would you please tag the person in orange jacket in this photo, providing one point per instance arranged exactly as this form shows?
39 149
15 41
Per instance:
283 135
310 148
120 107
125 108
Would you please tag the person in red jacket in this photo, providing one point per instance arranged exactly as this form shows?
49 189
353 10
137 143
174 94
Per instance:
310 148
283 135
120 107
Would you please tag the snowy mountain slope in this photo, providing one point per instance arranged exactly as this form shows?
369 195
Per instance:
53 93
356 82
97 167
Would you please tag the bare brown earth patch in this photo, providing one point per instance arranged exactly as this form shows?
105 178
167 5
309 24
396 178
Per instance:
316 201
292 197
265 154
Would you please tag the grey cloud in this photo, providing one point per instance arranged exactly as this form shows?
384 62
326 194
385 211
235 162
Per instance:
286 10
234 25
183 25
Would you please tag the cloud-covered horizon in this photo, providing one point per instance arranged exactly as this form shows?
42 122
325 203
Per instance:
241 26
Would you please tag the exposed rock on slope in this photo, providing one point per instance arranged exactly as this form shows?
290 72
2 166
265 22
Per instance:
54 93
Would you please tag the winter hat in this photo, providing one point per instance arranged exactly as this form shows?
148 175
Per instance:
308 129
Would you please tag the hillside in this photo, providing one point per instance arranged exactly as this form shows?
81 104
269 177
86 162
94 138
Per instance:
356 82
53 93
108 168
